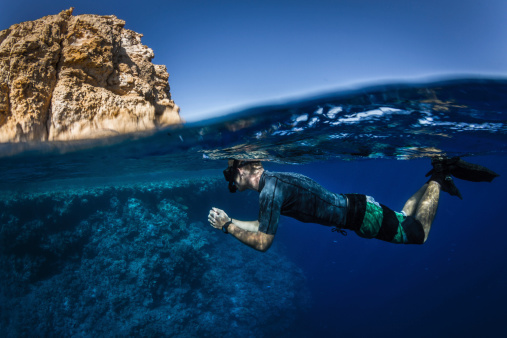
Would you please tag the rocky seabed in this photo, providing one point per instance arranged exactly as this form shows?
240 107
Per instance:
134 261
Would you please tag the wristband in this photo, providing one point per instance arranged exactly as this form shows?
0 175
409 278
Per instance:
226 226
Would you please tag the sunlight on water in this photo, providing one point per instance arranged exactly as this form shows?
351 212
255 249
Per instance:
464 118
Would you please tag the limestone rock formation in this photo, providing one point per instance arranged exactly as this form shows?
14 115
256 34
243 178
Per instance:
66 77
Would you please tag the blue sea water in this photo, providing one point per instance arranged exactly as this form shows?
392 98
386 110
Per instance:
110 238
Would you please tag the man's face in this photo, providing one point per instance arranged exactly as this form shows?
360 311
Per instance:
240 176
240 179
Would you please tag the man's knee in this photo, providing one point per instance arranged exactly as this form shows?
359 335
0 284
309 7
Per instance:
414 231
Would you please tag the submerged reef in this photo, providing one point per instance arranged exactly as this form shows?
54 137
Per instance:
120 261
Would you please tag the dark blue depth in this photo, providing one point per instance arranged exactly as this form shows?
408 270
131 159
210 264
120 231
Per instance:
110 238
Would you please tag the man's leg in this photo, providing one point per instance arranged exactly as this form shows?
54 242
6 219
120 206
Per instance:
423 205
413 202
427 208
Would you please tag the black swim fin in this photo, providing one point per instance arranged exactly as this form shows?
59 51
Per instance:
472 172
446 184
462 169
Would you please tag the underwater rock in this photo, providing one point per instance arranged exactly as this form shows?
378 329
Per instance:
66 77
137 261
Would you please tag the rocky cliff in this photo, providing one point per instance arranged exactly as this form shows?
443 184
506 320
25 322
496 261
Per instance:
66 77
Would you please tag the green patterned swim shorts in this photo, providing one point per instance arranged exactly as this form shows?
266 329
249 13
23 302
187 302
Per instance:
370 219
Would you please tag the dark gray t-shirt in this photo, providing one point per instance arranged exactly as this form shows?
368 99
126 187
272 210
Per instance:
299 197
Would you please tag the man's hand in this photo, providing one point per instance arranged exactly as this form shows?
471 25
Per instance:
217 218
247 232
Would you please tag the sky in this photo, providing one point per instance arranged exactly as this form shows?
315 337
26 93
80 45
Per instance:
224 56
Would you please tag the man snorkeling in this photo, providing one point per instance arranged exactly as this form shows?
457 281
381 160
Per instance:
300 197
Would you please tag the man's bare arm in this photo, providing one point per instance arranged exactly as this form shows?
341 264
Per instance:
257 240
246 225
246 231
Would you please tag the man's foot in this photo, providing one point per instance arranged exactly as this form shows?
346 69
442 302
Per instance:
444 167
462 169
442 175
446 184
